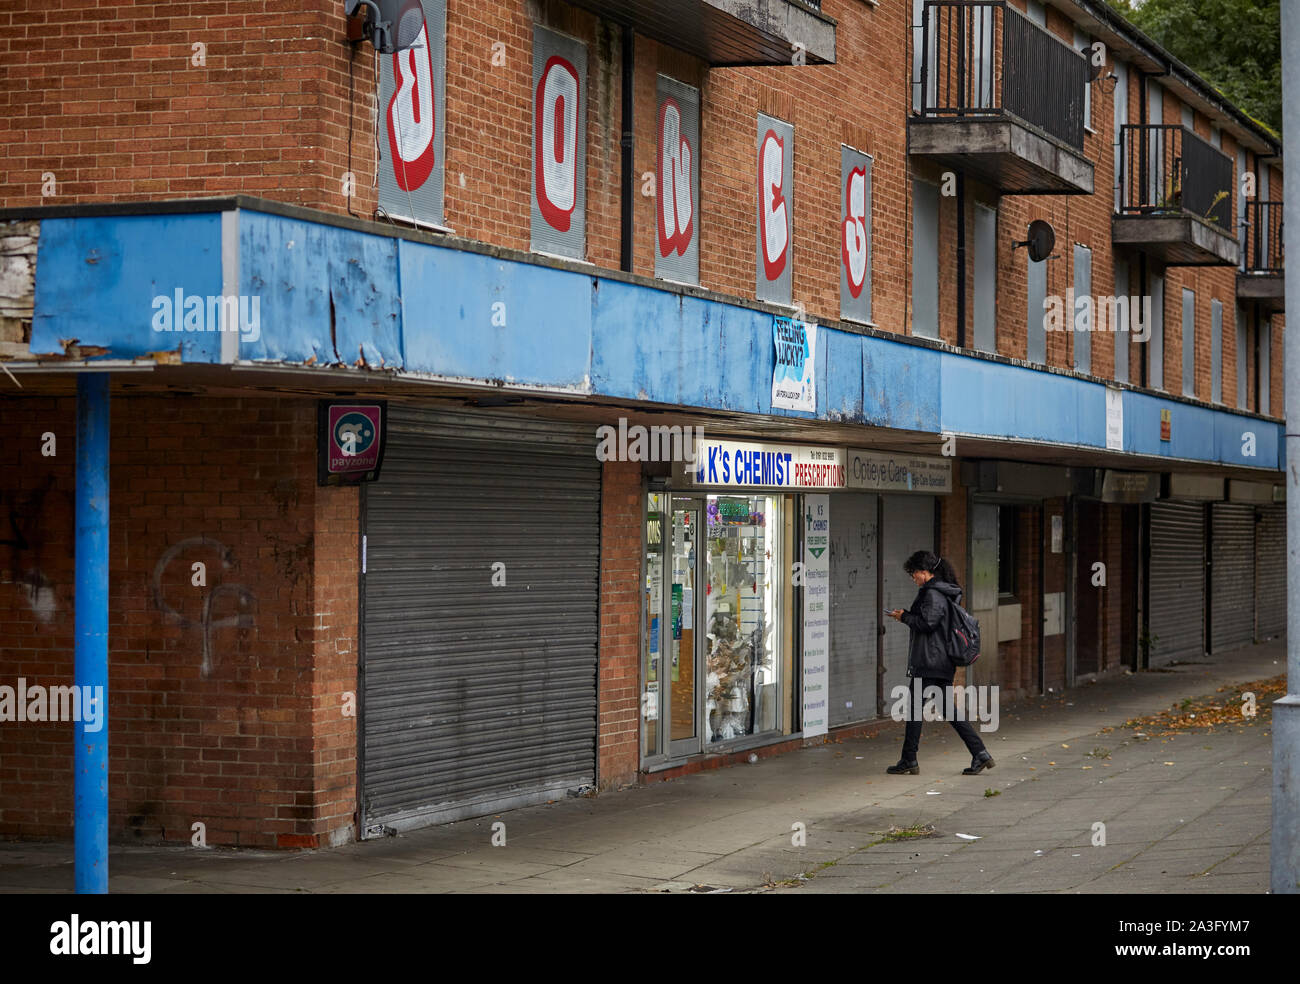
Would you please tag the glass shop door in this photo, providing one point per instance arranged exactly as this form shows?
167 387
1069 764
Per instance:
681 670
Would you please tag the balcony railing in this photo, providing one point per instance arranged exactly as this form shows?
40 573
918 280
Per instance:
1263 237
986 59
1166 169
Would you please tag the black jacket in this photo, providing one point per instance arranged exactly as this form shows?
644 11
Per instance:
927 654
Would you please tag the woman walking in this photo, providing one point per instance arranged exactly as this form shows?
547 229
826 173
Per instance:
928 662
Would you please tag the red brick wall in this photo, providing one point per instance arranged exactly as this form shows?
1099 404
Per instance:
248 748
272 112
334 687
108 99
621 512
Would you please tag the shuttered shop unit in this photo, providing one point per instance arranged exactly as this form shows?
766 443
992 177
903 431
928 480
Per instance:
1232 576
855 617
1177 617
1270 572
908 527
478 697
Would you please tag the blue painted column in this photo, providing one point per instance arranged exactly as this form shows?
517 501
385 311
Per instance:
90 817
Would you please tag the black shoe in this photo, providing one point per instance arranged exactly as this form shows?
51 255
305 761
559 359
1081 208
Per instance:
904 769
978 764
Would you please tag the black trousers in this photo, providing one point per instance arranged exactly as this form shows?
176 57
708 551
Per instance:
912 735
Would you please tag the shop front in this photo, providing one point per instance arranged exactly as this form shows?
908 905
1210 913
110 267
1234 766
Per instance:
765 574
479 617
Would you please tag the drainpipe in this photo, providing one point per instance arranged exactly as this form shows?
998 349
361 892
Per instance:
1285 853
90 668
625 192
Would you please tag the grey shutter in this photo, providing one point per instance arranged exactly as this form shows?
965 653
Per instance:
419 201
559 214
855 618
925 259
1082 291
1036 276
1121 117
776 289
908 527
1232 575
1265 404
854 308
677 257
1189 342
1216 351
1156 142
1177 581
1156 342
479 697
1240 195
1082 45
1122 337
1243 355
1270 572
986 278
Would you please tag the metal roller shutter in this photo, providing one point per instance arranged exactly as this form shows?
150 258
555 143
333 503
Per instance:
1177 581
909 526
854 616
1270 572
477 697
1232 575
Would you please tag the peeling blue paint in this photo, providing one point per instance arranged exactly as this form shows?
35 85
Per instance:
96 278
436 310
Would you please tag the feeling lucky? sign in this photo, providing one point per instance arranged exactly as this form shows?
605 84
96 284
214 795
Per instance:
794 387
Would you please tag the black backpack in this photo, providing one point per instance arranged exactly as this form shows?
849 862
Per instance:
963 635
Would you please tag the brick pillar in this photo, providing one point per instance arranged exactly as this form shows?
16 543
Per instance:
334 690
621 510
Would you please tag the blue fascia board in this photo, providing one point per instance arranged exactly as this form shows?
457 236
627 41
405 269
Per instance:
331 294
97 279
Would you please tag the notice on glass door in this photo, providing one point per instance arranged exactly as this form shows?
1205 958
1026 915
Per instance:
816 613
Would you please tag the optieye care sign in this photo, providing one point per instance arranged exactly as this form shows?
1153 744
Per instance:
794 385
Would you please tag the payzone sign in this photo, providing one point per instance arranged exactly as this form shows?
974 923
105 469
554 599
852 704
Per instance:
350 441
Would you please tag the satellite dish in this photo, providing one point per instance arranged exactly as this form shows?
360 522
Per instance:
1041 241
390 25
1094 70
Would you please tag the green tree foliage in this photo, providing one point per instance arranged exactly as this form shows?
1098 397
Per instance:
1235 45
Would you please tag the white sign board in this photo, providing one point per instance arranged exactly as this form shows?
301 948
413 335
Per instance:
886 471
816 614
1114 419
794 386
743 464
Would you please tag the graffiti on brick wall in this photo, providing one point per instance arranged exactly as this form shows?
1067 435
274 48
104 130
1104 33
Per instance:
244 599
20 531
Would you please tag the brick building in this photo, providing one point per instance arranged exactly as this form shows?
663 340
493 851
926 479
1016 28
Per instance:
546 219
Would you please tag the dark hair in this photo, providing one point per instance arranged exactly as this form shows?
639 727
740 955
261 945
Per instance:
923 560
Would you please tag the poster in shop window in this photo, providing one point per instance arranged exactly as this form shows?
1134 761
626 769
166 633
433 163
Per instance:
816 614
794 384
